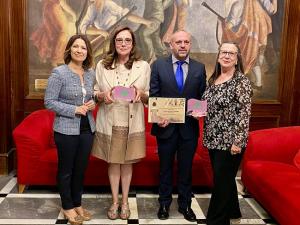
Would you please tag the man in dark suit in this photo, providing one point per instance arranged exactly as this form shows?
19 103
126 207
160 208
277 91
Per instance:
177 76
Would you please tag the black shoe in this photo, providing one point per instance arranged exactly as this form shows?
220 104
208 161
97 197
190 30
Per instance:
163 212
188 214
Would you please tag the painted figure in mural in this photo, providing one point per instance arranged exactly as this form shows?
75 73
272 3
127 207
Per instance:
102 15
150 40
52 35
249 23
274 39
179 17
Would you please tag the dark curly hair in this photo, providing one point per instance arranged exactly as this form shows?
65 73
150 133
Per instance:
112 54
89 61
238 67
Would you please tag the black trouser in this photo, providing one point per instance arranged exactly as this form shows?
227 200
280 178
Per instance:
185 150
73 156
224 203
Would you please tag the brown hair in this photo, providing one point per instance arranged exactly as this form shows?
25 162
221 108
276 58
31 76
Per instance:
238 67
89 61
112 54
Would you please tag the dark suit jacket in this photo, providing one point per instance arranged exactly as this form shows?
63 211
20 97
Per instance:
163 84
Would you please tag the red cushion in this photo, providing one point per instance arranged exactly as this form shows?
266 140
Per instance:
297 159
275 185
50 156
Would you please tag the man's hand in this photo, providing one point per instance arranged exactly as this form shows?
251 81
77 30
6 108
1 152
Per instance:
163 123
198 115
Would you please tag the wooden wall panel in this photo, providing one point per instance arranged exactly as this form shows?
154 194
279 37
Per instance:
5 90
295 114
290 56
15 102
19 59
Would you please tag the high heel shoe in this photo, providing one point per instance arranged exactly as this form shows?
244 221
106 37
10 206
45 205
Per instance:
86 215
77 220
113 212
125 211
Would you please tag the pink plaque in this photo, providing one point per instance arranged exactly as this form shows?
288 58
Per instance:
196 107
124 93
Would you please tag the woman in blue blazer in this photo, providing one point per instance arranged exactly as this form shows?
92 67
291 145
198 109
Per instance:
69 94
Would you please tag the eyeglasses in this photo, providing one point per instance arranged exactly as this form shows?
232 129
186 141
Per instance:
127 41
224 53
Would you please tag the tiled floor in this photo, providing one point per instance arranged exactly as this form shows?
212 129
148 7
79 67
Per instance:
41 205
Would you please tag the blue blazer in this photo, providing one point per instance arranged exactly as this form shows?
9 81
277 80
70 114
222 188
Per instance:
63 94
163 84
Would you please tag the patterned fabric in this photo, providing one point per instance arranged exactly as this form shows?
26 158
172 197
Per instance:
229 109
63 94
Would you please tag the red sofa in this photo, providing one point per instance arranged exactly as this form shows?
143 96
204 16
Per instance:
270 175
37 157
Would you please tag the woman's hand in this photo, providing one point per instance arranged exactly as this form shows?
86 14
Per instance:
99 96
90 104
105 96
108 99
140 95
235 150
81 110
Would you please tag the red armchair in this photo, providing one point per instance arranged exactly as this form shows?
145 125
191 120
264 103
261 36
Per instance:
270 175
37 157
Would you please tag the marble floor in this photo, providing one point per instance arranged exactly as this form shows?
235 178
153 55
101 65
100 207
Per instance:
41 205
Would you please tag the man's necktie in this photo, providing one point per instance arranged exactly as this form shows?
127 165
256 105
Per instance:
179 75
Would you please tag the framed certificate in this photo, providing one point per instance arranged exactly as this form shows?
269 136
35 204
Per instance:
172 109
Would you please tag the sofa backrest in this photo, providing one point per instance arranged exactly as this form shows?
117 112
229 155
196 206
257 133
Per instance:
41 124
275 144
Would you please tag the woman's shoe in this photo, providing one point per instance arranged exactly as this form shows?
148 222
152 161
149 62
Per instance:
77 220
125 211
113 212
86 215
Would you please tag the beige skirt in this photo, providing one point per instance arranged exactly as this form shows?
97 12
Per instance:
119 148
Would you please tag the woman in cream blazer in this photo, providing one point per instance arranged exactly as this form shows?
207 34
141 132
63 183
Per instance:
120 126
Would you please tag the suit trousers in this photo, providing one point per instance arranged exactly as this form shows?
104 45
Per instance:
73 156
224 203
184 149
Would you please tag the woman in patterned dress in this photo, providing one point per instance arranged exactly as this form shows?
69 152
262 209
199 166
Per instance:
228 96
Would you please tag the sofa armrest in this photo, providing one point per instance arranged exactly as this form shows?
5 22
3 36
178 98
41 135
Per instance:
34 134
275 144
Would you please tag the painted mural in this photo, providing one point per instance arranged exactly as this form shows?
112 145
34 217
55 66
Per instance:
255 24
